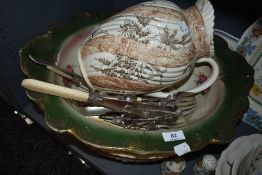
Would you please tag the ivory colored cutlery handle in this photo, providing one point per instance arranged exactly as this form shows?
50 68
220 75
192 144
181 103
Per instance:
51 89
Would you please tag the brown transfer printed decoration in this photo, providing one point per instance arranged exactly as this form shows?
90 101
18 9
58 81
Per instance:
140 51
197 28
156 12
155 33
124 67
116 83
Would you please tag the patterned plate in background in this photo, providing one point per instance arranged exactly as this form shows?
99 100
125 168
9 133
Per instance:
250 46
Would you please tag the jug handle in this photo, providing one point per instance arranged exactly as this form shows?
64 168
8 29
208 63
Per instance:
203 86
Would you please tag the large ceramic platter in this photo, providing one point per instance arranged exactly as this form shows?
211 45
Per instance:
218 109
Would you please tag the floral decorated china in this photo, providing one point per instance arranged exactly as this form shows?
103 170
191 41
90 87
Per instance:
250 46
219 107
148 47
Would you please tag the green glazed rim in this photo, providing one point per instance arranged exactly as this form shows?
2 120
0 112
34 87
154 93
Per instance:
235 73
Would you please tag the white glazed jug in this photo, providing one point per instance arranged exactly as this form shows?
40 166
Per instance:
149 47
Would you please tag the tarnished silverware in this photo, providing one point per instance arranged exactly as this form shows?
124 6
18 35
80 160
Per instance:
133 114
184 102
129 110
137 107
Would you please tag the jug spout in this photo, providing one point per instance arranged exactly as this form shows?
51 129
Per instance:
200 18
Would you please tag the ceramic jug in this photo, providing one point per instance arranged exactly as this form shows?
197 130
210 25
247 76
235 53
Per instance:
149 47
